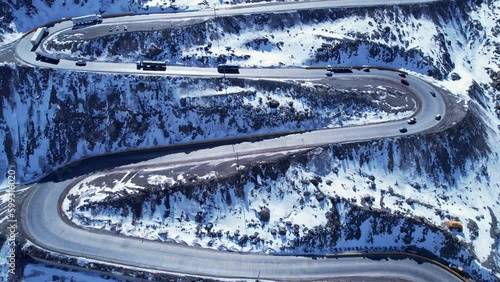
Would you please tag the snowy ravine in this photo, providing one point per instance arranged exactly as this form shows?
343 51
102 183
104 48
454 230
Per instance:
49 118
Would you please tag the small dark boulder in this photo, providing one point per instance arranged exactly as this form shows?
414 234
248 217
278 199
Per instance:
320 196
455 76
282 230
273 104
255 235
198 217
243 239
264 214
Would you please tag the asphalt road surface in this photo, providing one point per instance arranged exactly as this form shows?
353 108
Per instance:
42 224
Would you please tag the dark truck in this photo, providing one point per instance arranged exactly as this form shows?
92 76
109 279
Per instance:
228 68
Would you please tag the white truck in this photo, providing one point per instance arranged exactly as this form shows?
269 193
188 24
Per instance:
88 19
38 35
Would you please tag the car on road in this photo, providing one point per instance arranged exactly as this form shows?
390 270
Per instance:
412 121
403 130
329 73
366 69
117 28
438 117
110 29
402 75
457 269
81 63
125 27
329 68
405 82
433 93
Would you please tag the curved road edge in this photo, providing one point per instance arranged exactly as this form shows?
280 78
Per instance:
26 229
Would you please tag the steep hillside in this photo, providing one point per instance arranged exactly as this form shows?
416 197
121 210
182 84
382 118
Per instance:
49 118
397 191
23 15
428 39
383 195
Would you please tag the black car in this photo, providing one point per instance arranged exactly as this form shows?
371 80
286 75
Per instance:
81 63
402 75
433 93
405 82
403 130
366 70
438 117
412 121
329 73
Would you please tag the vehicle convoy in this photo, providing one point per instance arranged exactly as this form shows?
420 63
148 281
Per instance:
38 35
88 19
228 68
47 57
154 65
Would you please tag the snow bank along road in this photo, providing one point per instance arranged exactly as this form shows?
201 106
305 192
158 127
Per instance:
42 224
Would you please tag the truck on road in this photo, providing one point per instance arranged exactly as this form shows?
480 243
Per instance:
156 65
88 19
47 57
38 35
228 68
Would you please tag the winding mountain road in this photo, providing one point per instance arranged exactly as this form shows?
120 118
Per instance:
42 223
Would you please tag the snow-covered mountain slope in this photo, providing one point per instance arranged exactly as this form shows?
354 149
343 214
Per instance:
49 118
429 39
385 195
413 184
18 17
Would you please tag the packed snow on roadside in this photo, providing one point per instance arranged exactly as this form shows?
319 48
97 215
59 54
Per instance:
40 272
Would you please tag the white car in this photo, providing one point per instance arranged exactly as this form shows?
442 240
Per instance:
81 63
125 27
